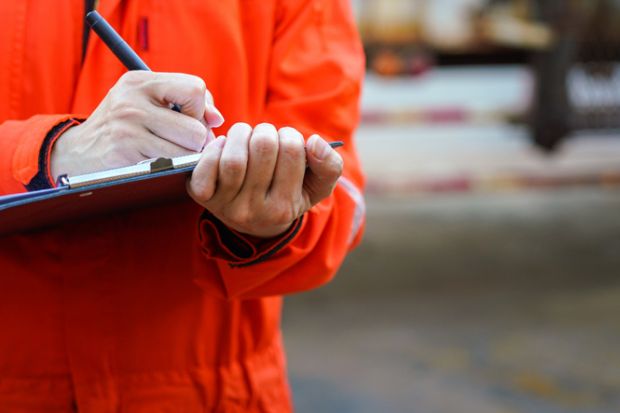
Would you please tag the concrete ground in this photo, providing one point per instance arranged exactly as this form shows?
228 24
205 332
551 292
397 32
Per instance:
468 303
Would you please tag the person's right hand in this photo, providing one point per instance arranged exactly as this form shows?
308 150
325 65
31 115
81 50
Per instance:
134 122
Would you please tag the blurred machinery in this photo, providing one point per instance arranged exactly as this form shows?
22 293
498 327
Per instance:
453 31
577 81
572 46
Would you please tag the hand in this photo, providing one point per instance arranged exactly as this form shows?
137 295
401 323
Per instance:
259 181
134 122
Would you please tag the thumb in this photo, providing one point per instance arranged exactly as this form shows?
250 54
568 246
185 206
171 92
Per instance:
213 117
324 168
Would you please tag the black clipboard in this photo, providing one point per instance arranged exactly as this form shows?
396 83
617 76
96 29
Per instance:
149 183
158 182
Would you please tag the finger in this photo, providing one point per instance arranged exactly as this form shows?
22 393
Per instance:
233 162
324 168
290 166
263 154
213 117
187 91
210 138
203 182
177 128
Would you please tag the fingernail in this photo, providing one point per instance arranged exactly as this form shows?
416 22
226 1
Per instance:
320 148
213 116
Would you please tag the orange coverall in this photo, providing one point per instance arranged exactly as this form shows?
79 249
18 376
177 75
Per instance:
151 310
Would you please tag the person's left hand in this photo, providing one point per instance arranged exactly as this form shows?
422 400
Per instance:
259 181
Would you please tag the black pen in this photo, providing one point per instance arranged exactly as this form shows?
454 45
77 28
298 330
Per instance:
126 54
118 46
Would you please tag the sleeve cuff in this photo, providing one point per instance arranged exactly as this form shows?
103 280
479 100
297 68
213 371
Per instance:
43 179
240 250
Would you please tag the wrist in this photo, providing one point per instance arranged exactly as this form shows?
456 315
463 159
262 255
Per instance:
59 153
219 241
261 234
44 177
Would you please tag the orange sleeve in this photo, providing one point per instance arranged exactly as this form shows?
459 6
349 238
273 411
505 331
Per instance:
315 82
21 143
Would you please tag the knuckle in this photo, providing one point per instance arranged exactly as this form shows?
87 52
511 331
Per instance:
116 97
233 165
120 106
201 190
200 128
123 110
198 86
211 156
196 90
283 215
133 77
197 132
292 148
263 144
242 216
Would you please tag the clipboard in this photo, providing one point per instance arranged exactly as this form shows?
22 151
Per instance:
148 183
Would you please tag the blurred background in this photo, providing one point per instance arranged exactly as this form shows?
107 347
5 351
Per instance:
489 277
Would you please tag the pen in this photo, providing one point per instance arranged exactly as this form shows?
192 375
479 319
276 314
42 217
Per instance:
118 46
126 55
